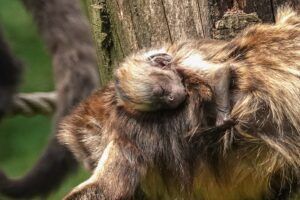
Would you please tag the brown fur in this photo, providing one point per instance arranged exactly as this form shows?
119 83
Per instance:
257 159
160 87
150 70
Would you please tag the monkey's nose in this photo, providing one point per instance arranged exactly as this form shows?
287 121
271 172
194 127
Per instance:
176 98
171 98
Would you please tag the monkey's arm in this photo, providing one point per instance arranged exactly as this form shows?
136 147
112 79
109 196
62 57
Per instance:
10 72
221 84
116 176
219 80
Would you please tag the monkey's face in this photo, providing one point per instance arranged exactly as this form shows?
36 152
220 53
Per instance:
167 90
144 84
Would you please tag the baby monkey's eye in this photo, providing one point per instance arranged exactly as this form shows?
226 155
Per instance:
158 90
161 60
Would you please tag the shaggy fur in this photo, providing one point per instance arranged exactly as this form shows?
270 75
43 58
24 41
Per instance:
171 155
165 91
146 76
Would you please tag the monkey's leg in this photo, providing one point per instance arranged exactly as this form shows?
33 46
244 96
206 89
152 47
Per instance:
116 176
10 72
221 82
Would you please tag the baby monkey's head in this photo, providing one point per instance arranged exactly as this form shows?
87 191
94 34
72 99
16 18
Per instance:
146 82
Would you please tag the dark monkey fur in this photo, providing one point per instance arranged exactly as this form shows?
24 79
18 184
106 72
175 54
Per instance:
65 31
165 90
166 154
10 74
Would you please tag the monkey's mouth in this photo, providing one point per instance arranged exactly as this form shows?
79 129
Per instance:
174 100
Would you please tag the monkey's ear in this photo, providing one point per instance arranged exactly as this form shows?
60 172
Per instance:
160 59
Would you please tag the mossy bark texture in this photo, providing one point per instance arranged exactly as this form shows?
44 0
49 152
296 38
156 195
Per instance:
124 26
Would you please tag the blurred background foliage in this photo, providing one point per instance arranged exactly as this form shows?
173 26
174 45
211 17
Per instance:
22 139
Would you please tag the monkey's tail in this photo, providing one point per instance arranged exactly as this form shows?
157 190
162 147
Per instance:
76 75
47 174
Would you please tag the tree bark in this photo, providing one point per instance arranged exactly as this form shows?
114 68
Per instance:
123 26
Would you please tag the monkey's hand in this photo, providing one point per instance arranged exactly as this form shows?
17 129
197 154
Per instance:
116 176
221 81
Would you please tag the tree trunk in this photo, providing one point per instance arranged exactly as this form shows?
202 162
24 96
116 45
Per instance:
123 26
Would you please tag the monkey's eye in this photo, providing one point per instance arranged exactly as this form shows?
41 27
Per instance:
158 91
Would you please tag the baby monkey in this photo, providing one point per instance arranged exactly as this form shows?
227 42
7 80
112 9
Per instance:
148 84
155 80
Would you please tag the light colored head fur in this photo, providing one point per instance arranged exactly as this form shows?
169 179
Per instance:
143 86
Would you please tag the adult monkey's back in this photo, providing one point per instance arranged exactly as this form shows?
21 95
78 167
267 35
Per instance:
65 31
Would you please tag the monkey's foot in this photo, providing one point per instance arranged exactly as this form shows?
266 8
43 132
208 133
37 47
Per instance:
88 192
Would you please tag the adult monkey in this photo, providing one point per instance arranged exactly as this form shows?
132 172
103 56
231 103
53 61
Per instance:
164 153
65 31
